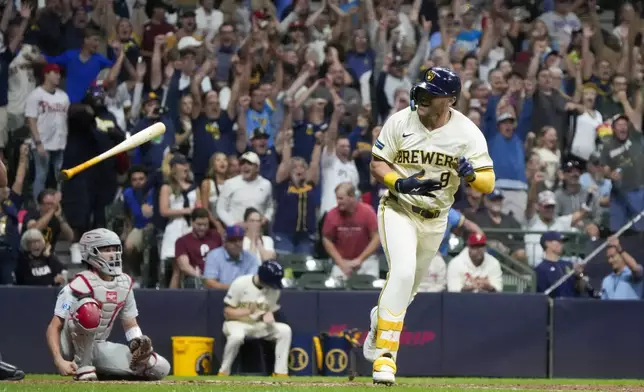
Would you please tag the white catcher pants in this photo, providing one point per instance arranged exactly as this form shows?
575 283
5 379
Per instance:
113 359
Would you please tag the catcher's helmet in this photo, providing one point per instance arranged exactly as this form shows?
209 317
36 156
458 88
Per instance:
270 273
437 82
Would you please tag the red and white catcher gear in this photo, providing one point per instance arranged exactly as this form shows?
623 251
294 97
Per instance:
84 323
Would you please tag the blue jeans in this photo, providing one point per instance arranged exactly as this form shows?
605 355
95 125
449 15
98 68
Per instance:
625 207
300 243
53 158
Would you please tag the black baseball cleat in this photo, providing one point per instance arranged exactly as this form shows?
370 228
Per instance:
9 372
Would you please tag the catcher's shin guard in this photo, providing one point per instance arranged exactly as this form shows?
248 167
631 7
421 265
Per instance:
83 326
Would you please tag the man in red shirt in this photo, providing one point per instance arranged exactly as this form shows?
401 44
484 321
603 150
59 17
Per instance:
155 26
191 249
350 235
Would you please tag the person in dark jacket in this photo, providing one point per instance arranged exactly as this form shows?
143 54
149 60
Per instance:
36 266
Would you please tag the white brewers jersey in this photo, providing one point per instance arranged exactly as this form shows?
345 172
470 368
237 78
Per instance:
409 147
243 292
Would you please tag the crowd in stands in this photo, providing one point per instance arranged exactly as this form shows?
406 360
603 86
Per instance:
271 109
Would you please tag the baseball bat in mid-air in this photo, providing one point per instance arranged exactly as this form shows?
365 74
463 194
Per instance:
145 135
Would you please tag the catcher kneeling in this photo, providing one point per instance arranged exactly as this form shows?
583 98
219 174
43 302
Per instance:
84 316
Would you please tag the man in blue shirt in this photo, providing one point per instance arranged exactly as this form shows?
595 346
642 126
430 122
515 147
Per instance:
82 66
553 268
138 202
230 261
456 220
626 280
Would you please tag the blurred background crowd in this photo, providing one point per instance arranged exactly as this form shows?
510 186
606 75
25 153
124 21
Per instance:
271 109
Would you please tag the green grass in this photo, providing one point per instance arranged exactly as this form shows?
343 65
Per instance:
52 383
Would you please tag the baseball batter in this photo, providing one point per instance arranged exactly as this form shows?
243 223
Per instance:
421 155
84 316
250 303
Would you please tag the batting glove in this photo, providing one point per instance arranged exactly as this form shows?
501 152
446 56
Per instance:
413 185
466 170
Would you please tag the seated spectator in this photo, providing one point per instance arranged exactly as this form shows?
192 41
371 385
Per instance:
230 261
350 235
261 246
248 189
491 216
177 199
544 220
49 219
474 270
249 313
138 200
553 268
626 280
36 266
192 248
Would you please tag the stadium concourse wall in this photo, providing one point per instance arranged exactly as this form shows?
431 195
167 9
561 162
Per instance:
446 334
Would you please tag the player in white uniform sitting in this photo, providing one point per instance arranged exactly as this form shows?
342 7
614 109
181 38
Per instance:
84 316
250 303
421 155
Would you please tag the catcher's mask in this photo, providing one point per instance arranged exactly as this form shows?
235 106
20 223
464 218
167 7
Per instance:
102 249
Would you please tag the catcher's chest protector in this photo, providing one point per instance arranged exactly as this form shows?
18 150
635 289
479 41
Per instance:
110 295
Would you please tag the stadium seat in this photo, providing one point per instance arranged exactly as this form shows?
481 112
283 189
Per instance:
255 358
300 263
314 281
510 288
361 282
384 266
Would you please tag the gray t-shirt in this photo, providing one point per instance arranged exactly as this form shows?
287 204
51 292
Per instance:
627 156
568 203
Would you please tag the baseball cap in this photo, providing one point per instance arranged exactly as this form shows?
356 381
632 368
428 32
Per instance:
547 198
50 68
259 133
505 116
619 117
570 164
188 42
496 195
476 239
250 157
234 232
551 236
150 96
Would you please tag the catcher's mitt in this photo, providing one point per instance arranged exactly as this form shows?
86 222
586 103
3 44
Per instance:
141 349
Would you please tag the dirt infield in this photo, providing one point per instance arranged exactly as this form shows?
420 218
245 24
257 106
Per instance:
456 386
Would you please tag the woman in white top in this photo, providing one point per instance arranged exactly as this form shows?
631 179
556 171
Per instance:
548 151
208 19
584 139
261 246
211 186
177 198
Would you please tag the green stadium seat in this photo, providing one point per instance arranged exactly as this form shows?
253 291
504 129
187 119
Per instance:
510 288
300 263
313 281
361 282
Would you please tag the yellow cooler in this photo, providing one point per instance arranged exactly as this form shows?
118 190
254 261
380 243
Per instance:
192 355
